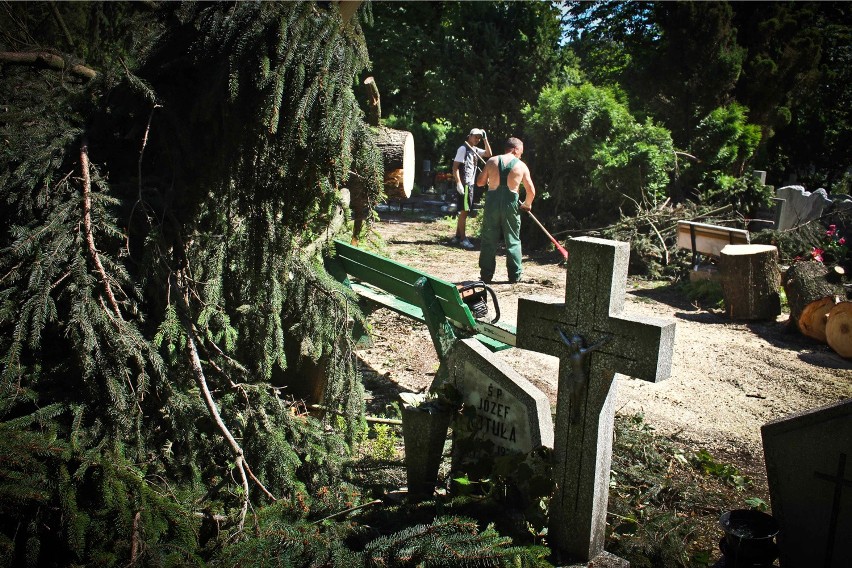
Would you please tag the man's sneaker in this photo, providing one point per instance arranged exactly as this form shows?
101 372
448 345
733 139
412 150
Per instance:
517 280
467 244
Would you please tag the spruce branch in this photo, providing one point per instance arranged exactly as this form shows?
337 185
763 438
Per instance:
200 379
87 225
46 58
134 538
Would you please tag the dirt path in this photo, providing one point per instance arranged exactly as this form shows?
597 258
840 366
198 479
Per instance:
728 378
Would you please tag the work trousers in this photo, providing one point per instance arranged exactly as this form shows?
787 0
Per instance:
501 213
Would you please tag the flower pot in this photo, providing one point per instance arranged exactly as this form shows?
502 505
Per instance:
749 538
424 433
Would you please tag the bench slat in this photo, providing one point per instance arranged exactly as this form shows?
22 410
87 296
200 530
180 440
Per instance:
709 239
399 279
389 301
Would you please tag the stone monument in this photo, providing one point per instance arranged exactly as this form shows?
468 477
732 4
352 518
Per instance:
594 340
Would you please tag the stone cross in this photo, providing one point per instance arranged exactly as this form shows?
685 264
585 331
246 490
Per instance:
593 341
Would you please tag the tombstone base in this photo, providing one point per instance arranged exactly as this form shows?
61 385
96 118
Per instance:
602 560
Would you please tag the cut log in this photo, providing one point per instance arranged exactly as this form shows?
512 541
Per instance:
750 281
810 297
838 329
397 148
813 319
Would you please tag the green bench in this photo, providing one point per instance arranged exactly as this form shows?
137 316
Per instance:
417 295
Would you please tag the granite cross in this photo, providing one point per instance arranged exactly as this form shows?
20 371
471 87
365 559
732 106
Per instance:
594 340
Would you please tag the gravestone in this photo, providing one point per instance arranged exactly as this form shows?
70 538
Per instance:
809 469
800 206
510 412
594 340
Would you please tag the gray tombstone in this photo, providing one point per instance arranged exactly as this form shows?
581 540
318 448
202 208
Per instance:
594 340
511 412
800 206
809 469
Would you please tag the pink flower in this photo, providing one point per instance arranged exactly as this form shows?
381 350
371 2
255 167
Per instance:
816 253
842 241
831 230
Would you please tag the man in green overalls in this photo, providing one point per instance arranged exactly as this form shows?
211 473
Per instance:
504 175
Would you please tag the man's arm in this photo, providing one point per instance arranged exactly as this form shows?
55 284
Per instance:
488 153
482 178
457 176
529 188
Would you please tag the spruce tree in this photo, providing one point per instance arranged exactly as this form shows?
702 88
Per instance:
151 280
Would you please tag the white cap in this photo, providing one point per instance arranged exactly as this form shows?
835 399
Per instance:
476 132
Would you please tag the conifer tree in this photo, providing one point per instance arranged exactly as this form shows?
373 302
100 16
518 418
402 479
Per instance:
151 280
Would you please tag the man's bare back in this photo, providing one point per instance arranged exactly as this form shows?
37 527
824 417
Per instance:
519 173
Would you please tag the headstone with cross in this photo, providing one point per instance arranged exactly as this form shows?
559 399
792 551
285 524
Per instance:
809 470
594 340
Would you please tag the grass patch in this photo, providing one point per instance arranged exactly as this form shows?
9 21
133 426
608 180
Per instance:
706 293
665 500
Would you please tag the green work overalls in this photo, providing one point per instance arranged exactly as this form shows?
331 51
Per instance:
501 212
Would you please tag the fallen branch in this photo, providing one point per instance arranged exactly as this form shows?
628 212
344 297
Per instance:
87 226
48 59
195 363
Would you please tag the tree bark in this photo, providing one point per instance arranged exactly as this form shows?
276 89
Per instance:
374 103
750 281
49 59
838 329
810 297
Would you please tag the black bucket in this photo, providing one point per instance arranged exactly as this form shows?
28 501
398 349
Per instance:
749 540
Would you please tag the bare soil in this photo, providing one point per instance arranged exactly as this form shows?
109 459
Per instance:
728 378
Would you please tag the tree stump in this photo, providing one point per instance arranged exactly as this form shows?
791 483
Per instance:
810 297
750 281
838 329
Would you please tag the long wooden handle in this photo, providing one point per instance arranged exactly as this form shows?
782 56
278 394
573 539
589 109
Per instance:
474 151
559 247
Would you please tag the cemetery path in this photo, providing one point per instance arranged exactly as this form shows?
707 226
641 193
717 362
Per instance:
728 378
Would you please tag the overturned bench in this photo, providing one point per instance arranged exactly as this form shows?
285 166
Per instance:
417 295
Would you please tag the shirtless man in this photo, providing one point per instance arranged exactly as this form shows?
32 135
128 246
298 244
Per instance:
504 175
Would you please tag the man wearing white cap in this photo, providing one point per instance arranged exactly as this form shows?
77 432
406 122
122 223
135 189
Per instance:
464 174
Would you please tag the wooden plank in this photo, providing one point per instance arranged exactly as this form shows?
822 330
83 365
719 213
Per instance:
709 239
388 301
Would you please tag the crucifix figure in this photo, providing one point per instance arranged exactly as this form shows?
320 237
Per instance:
579 369
634 346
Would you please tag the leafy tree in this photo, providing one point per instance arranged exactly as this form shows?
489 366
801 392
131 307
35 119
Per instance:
593 158
680 61
466 64
815 146
723 144
677 61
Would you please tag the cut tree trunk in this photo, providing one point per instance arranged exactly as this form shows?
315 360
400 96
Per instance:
838 329
750 281
397 148
810 297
